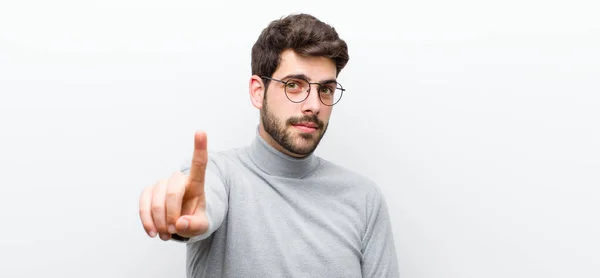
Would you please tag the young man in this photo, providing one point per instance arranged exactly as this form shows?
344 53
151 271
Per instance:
273 208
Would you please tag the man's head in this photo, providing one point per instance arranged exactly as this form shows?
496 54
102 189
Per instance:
288 54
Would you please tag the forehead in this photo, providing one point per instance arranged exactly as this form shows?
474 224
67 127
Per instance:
314 68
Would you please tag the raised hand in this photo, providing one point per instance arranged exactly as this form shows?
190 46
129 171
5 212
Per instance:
177 205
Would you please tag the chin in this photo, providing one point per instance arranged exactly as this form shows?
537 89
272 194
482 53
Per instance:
302 151
305 143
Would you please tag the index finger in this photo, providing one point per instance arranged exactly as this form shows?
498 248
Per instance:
199 160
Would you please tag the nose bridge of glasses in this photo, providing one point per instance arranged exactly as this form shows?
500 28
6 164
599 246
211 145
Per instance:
310 84
310 90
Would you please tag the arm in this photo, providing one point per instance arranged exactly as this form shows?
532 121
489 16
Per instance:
379 257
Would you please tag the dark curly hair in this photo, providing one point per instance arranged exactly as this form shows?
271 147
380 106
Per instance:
305 35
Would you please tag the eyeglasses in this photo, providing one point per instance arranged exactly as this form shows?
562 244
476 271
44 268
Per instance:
297 90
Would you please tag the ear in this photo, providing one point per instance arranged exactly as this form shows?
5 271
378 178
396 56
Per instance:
257 91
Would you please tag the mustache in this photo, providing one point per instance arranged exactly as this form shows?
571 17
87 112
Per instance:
306 118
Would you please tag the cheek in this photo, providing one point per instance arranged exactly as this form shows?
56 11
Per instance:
281 108
325 114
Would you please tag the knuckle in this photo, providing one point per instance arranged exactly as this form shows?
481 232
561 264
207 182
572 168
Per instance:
157 209
196 179
199 161
171 218
171 195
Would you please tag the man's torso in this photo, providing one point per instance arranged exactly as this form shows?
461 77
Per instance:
278 226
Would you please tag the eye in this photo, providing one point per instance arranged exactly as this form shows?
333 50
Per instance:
292 85
325 90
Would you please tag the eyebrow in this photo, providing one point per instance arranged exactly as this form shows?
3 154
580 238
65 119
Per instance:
303 76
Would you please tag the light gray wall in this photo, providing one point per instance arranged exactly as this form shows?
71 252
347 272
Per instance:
478 119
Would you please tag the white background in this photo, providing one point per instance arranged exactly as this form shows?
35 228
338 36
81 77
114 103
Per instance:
478 119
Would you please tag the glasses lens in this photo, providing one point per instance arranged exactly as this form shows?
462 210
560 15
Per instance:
296 89
330 93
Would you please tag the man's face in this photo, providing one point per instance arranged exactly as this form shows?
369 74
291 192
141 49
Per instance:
297 127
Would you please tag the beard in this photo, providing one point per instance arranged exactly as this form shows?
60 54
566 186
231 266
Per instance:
301 144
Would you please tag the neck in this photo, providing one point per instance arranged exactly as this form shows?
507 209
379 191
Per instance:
273 161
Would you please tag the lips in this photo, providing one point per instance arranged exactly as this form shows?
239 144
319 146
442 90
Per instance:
307 124
306 127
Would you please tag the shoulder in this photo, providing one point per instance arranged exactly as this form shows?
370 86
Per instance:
350 178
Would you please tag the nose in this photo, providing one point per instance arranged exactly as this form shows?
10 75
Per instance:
312 104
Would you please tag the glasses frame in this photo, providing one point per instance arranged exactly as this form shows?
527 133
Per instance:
339 87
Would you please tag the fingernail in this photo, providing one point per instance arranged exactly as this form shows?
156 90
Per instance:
164 237
152 234
172 229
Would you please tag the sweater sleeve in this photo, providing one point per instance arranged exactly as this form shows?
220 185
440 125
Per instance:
379 257
216 197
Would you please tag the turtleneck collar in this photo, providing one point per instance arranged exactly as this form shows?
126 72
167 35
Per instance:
275 163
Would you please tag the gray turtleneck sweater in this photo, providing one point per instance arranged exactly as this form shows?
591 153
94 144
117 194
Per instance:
271 215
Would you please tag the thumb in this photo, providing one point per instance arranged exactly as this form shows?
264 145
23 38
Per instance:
191 225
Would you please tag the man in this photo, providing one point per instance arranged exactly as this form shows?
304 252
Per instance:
273 208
